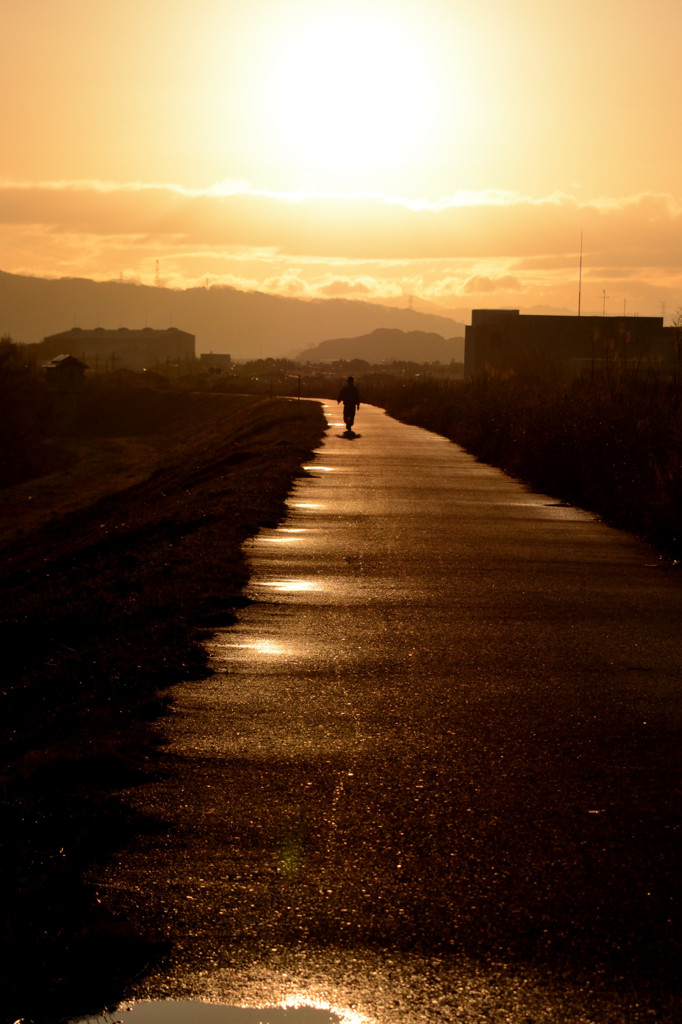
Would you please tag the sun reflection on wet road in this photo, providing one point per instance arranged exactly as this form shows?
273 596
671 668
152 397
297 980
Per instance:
295 1009
279 540
288 586
267 648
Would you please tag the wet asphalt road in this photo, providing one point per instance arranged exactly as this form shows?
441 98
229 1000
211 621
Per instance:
436 772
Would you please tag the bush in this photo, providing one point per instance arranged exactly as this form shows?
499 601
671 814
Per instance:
27 413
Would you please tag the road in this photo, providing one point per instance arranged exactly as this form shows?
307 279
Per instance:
435 773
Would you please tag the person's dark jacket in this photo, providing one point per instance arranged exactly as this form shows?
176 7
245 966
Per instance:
350 396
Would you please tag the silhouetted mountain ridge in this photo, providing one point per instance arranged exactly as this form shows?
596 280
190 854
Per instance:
385 344
246 324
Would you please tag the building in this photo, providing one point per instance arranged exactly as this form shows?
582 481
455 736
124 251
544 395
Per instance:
106 351
215 362
504 339
64 374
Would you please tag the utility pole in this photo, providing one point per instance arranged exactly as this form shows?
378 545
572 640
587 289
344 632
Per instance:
604 298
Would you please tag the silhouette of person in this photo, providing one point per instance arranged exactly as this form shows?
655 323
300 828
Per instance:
350 397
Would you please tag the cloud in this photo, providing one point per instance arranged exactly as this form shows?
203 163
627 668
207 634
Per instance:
291 283
487 285
355 226
342 287
485 246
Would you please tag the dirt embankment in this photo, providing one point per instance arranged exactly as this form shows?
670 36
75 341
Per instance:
113 567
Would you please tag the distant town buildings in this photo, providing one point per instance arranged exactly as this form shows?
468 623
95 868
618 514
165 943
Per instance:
504 339
106 351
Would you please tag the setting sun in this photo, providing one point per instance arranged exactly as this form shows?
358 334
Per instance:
349 90
453 154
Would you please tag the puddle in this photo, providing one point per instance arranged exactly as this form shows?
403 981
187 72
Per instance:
167 1011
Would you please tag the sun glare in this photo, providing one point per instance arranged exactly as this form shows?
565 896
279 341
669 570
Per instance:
348 91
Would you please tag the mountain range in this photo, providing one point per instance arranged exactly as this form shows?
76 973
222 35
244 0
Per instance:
246 325
385 344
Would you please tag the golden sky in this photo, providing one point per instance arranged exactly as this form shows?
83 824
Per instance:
449 151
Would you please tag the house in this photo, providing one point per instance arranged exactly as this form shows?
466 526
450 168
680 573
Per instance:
64 374
505 339
106 351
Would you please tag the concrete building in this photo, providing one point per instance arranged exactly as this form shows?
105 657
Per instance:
504 339
106 351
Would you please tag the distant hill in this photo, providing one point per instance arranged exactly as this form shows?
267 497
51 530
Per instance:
462 314
247 325
387 344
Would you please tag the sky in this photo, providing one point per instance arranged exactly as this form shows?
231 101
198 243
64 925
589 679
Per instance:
432 152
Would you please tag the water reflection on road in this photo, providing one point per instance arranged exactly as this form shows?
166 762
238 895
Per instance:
168 1011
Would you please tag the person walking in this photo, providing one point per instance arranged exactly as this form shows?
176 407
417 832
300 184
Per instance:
350 397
